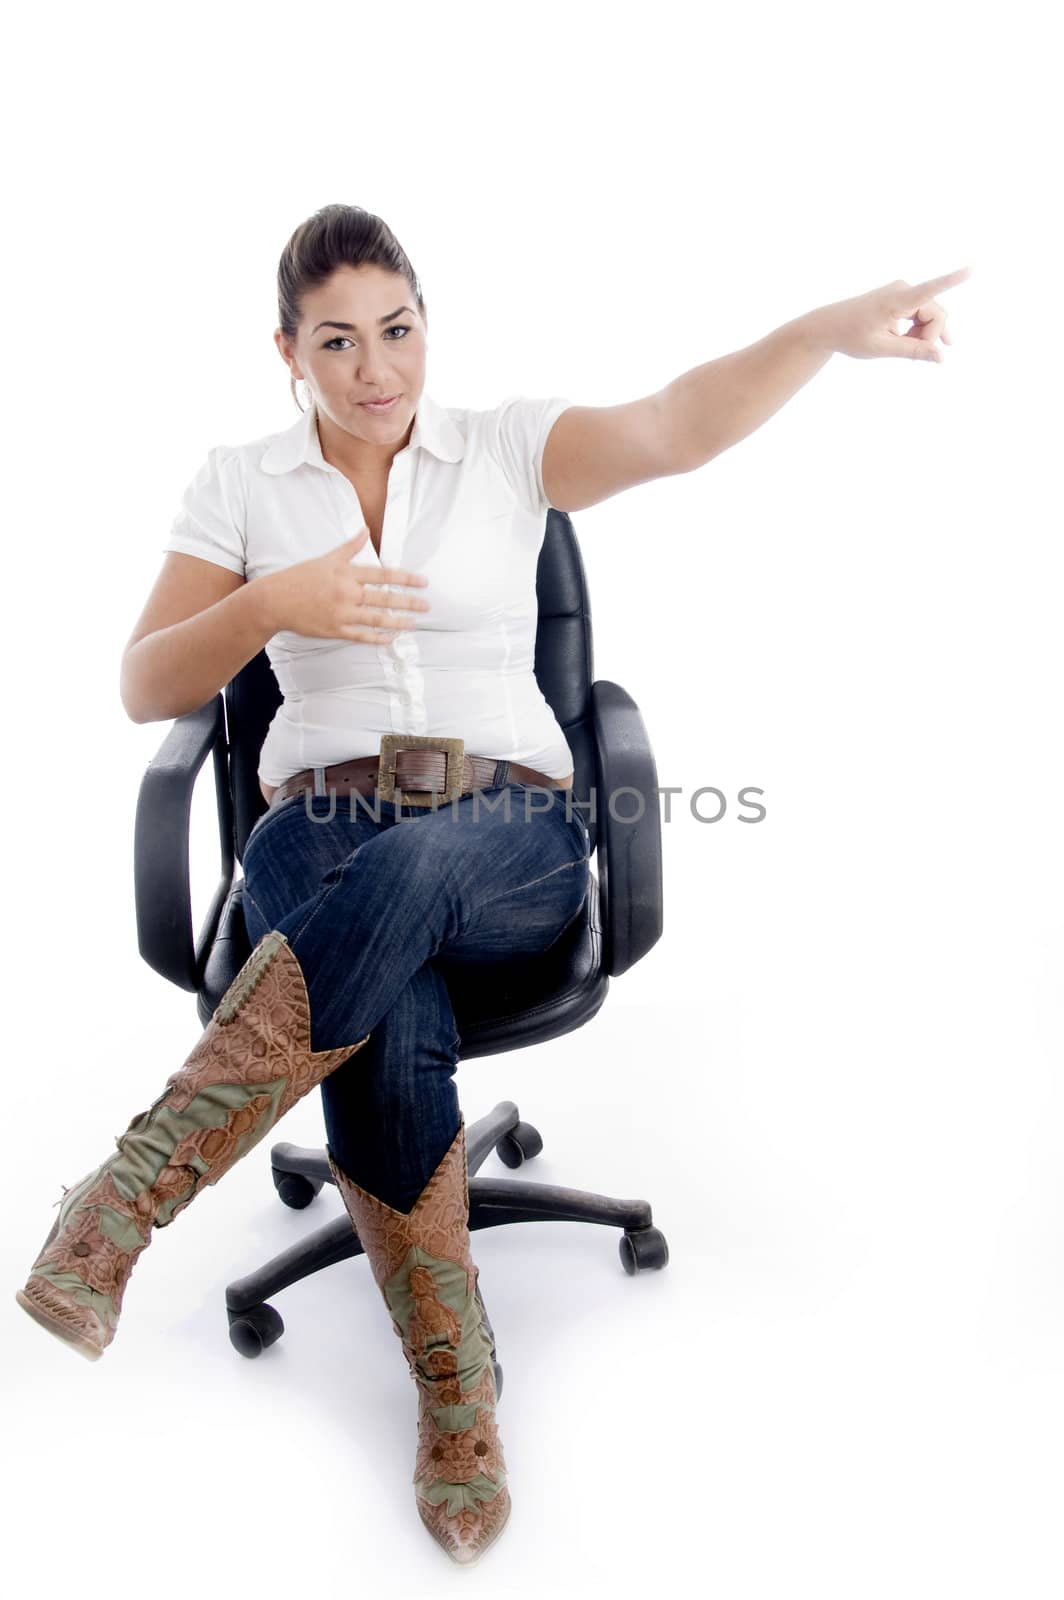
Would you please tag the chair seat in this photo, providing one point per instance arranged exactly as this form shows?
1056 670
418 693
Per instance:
513 1003
497 1007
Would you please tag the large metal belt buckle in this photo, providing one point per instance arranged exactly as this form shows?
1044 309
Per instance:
391 743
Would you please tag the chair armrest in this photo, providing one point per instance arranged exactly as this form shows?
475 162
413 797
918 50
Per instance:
161 843
629 852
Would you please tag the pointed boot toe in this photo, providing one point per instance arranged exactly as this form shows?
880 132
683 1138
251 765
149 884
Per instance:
467 1536
422 1264
252 1063
460 1473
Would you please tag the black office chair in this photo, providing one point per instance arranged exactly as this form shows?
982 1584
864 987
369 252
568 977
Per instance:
527 1001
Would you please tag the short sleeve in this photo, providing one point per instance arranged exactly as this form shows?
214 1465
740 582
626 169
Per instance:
209 521
518 439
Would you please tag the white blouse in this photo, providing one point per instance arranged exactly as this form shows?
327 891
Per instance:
466 507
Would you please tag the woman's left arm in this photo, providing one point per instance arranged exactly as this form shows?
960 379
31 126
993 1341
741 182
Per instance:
594 452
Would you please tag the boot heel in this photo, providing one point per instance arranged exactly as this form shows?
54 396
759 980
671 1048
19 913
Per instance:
59 1329
423 1266
250 1066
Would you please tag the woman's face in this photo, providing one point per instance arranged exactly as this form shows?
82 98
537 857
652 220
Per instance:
373 346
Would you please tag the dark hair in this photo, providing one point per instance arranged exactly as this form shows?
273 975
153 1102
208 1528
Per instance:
335 236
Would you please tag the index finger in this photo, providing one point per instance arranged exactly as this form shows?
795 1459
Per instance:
933 286
397 575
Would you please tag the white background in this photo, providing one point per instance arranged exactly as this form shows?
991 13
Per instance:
836 1077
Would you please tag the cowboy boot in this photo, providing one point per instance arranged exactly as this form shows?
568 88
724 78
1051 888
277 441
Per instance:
249 1067
422 1265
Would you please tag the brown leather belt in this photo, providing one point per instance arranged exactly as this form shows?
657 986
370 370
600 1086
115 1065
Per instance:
436 770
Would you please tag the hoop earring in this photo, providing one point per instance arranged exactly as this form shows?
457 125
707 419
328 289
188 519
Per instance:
292 387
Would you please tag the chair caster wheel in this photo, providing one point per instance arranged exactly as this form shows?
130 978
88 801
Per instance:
296 1190
253 1331
520 1144
643 1248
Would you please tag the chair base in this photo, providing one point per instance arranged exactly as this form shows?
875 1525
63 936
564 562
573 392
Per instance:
299 1175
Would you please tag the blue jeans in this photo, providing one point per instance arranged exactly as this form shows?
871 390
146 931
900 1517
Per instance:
367 905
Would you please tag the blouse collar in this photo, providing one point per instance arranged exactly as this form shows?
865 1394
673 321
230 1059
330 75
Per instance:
433 430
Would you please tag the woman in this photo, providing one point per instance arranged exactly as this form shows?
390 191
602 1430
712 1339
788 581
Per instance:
384 551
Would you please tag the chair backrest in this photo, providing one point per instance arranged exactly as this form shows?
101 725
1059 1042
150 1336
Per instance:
563 666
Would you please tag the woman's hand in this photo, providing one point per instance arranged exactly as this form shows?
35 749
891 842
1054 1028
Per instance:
329 597
866 325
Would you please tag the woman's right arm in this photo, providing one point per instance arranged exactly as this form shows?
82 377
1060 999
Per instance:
202 622
200 625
